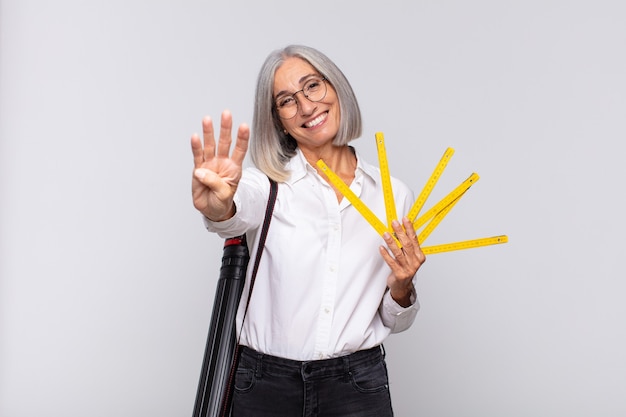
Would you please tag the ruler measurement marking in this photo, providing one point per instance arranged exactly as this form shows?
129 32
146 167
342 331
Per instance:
430 184
390 205
466 244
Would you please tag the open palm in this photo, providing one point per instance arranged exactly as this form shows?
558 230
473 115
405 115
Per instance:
216 174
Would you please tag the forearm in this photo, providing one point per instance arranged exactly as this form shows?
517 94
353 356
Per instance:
403 294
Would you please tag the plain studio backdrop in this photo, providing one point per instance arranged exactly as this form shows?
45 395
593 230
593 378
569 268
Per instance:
107 275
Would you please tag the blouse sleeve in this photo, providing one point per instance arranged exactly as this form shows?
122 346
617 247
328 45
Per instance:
396 317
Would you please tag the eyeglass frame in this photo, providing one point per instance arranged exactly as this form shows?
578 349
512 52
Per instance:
322 79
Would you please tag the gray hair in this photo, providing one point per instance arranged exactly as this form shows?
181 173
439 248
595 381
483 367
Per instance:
270 147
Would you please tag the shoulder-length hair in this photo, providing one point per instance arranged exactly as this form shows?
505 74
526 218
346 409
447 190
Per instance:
270 147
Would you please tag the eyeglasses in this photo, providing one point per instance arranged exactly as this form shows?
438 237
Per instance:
314 90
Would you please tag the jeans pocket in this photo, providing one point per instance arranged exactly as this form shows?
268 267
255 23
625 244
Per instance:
371 378
244 380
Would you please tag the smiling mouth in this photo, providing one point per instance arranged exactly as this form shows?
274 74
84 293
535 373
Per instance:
319 119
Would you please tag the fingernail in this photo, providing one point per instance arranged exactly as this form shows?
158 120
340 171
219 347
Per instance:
199 173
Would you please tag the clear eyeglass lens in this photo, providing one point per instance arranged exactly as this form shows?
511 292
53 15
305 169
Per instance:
314 90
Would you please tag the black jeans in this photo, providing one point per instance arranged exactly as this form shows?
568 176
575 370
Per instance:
351 386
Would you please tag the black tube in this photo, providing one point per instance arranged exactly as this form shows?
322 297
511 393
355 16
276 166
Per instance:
221 341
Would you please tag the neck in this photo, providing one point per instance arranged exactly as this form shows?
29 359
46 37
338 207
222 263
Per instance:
341 159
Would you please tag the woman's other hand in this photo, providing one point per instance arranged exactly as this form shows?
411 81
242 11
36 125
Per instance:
404 262
216 174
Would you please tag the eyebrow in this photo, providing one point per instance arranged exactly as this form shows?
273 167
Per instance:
300 81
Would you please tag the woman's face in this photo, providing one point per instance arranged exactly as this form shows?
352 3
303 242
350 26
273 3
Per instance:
316 123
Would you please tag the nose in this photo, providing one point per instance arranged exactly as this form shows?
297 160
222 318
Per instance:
305 106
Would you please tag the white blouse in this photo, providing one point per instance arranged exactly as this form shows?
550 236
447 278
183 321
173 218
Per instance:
321 288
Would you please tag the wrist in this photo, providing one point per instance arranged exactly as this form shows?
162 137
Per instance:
403 296
231 212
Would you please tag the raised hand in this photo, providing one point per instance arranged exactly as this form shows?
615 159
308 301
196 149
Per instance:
216 174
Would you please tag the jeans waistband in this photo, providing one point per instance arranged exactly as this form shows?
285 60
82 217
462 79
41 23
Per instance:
313 369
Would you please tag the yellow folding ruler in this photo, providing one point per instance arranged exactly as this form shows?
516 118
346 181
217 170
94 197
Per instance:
429 220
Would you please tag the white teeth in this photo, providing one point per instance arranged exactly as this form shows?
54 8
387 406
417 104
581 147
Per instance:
319 119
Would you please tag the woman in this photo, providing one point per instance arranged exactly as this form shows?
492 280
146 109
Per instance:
323 301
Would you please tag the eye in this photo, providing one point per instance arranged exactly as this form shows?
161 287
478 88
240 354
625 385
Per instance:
313 85
285 101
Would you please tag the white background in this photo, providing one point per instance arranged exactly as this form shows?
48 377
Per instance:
107 275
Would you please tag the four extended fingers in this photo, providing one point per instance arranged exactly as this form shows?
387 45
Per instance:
205 151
